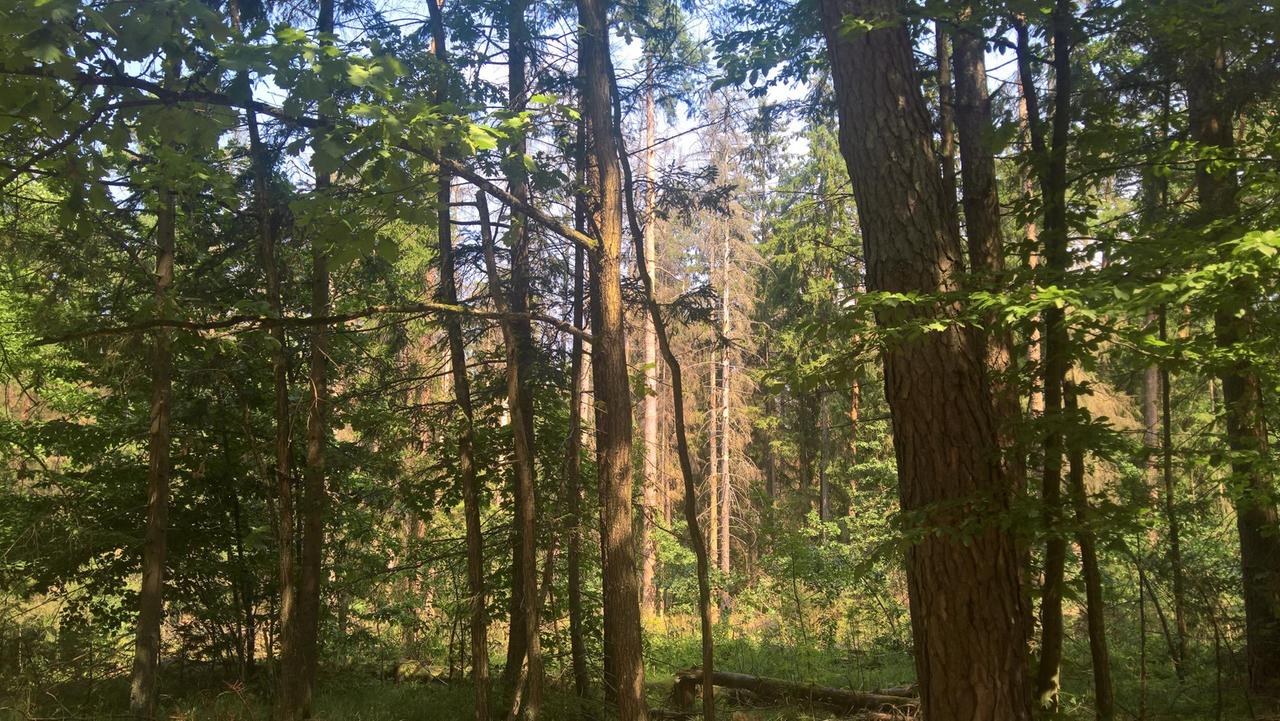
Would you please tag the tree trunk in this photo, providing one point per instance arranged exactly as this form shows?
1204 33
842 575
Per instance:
1053 186
1095 607
623 658
945 436
648 542
573 460
447 293
144 689
1211 115
726 483
1170 510
946 123
525 642
314 498
696 539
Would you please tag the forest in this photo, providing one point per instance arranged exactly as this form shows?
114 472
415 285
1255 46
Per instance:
760 360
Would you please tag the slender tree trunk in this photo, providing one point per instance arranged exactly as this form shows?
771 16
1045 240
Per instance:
525 647
1256 517
1053 185
945 436
1095 606
1170 510
651 469
314 500
713 463
447 292
726 482
144 690
624 662
573 461
696 540
946 123
1035 399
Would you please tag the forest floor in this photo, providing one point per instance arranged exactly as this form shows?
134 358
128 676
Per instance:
360 694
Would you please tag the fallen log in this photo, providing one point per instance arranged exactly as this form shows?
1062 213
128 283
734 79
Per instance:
840 700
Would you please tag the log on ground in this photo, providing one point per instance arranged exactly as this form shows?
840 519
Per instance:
841 700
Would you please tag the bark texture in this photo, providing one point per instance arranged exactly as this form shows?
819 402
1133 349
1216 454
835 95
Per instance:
624 666
1212 114
966 604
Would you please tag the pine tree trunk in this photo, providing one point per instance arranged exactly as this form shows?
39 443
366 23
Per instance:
648 542
945 436
623 657
1170 511
946 123
1211 118
144 690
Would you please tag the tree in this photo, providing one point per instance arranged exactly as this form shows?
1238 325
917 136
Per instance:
946 460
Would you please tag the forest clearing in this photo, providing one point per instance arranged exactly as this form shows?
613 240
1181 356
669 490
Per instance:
753 360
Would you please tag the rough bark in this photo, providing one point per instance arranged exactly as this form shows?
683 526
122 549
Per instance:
967 613
623 659
144 688
1211 115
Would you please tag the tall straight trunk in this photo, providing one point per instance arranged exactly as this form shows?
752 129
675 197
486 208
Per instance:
1170 509
1031 232
946 123
144 689
648 541
314 500
1211 115
824 490
945 435
447 293
983 224
624 663
573 460
525 647
1104 700
696 539
1053 187
726 483
713 462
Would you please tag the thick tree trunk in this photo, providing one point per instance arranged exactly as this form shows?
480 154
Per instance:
945 435
1104 700
623 658
1256 516
447 292
144 688
648 542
